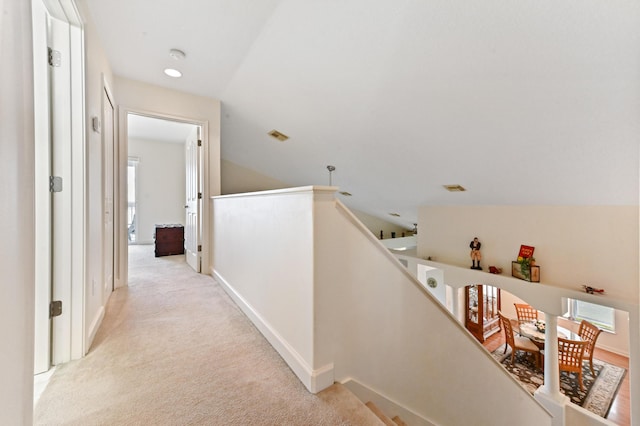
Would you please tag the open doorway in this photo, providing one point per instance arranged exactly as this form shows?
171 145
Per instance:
160 176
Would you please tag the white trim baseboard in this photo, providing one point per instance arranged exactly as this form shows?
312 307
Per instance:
314 380
93 329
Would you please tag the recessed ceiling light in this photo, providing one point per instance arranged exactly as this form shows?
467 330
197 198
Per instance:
278 135
454 188
172 73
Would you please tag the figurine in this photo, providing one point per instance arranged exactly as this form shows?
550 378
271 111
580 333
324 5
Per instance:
495 270
476 256
592 290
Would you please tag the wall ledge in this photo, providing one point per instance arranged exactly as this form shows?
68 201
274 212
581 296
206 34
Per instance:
285 191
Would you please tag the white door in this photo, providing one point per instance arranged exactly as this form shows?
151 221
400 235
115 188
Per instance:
57 130
107 185
193 206
59 151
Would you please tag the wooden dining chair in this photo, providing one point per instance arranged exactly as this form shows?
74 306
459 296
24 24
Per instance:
525 312
590 333
570 353
518 343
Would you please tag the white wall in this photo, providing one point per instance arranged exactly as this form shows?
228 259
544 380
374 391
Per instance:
383 329
574 245
317 273
17 280
160 185
97 72
263 252
135 96
236 179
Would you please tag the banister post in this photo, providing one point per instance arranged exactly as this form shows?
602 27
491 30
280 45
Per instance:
549 393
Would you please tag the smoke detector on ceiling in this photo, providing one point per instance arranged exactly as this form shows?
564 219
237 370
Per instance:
177 54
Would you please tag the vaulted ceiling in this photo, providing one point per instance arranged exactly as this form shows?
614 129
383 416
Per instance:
521 102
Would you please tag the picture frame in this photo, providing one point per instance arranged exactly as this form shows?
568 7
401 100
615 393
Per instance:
533 275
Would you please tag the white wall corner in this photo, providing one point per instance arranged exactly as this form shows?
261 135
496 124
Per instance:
321 378
314 380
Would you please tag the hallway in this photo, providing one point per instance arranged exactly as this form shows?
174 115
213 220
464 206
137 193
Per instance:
174 349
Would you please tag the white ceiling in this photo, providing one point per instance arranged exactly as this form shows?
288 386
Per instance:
524 102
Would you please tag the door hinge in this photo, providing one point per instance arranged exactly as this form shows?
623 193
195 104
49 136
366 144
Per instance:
199 247
199 195
54 57
55 184
55 308
199 142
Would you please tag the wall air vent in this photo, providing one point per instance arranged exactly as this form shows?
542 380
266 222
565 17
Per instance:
345 193
454 188
278 135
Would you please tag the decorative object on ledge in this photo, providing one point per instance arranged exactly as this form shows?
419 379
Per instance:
525 267
525 252
475 254
495 270
592 290
525 271
432 282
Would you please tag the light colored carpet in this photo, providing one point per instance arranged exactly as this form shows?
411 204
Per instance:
174 349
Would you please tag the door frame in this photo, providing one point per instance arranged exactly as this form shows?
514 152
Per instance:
123 129
43 225
69 227
107 96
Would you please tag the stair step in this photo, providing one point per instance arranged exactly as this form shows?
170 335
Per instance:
348 406
378 412
397 420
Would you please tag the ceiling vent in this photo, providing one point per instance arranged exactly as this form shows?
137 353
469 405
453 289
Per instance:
454 188
280 136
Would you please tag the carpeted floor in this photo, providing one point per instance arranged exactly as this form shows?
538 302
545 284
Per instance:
174 349
599 390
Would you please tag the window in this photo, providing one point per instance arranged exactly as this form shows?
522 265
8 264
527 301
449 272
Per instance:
132 171
602 316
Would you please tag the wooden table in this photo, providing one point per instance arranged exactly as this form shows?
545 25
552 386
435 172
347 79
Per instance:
529 329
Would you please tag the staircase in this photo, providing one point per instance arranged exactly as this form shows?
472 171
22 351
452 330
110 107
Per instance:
396 421
353 411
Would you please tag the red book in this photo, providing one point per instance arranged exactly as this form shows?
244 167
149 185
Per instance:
526 251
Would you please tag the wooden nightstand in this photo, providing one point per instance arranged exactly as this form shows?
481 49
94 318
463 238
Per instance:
169 240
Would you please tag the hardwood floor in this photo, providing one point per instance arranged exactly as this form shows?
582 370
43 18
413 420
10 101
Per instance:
620 411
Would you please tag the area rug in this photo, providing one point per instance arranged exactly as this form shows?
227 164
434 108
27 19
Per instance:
599 390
